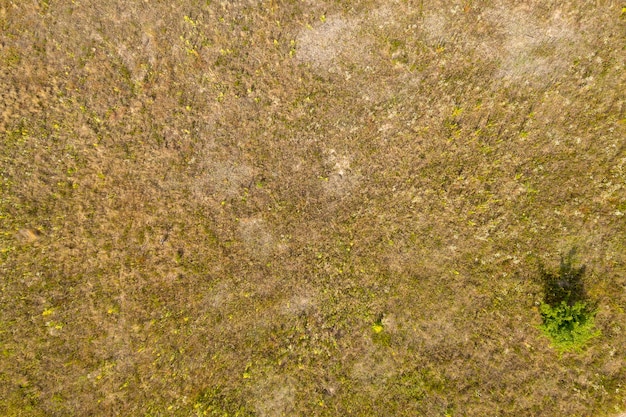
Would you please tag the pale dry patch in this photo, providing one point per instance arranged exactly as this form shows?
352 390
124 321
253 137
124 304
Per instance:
222 180
221 296
256 237
322 45
387 15
373 364
298 304
532 49
138 59
528 50
434 334
28 235
329 43
341 179
276 396
435 28
137 55
390 323
383 16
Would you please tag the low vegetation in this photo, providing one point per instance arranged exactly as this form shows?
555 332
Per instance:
312 208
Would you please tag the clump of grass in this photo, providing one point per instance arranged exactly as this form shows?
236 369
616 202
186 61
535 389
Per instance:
567 314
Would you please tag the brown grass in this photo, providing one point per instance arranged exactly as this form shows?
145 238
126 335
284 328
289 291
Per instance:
211 208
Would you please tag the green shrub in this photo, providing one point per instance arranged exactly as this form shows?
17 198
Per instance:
568 326
567 315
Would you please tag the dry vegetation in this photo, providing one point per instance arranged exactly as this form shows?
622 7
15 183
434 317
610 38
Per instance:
315 208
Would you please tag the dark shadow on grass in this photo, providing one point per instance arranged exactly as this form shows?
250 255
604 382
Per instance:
566 285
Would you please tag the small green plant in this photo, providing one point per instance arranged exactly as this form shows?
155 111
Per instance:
569 327
567 315
379 335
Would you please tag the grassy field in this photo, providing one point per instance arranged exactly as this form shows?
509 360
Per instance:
308 208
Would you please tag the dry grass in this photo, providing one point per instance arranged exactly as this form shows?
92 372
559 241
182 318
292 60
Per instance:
212 208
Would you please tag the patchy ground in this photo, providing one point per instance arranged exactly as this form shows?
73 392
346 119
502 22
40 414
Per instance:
306 207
